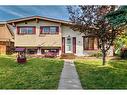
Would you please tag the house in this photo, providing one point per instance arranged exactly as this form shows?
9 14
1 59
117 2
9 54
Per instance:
6 38
39 35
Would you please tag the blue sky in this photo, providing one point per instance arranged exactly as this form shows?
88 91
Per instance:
12 12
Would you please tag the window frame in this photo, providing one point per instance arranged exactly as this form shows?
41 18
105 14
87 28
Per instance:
27 27
42 32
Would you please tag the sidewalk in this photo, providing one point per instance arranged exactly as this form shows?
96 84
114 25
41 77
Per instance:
69 78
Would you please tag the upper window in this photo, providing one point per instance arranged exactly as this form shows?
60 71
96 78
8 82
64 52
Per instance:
22 30
53 29
26 30
46 29
49 29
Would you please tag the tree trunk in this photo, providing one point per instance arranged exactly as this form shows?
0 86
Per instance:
104 57
103 54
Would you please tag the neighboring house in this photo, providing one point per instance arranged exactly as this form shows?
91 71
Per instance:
40 34
6 38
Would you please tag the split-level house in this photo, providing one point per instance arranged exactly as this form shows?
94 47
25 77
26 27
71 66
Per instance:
6 38
39 35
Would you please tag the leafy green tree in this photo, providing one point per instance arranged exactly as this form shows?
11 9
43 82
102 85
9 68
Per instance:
118 19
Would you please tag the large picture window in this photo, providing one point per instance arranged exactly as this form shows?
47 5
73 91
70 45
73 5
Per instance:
26 30
49 30
88 43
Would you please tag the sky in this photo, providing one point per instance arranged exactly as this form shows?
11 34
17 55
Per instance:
13 12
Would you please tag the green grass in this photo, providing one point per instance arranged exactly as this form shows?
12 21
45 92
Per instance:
35 74
95 76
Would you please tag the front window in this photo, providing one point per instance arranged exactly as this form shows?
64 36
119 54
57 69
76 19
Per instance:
88 43
49 30
26 30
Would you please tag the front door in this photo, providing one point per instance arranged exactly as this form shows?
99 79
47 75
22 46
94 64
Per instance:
68 45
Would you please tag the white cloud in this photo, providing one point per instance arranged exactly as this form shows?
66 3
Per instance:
11 12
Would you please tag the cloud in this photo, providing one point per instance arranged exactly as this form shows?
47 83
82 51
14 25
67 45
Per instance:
11 12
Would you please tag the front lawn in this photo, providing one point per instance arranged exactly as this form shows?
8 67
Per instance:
95 76
36 74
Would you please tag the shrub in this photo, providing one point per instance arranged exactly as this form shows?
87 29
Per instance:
50 55
124 54
98 54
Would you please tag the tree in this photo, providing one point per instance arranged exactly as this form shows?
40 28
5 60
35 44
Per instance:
120 42
118 19
91 21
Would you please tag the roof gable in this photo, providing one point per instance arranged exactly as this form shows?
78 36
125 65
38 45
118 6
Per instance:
38 18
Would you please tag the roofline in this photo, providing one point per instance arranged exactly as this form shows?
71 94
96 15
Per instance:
3 22
39 17
6 25
11 32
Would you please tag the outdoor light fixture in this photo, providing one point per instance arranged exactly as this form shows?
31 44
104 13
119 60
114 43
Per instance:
68 35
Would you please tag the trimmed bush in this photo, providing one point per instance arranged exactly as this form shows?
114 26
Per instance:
98 54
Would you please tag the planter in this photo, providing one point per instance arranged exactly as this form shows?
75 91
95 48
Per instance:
21 60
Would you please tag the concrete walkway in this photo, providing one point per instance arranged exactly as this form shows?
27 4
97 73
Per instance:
69 78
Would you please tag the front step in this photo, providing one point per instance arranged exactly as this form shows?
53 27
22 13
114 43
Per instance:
68 56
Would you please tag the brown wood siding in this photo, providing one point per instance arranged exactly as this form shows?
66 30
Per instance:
2 49
5 34
6 47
